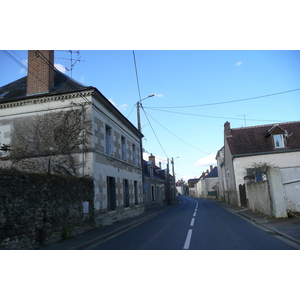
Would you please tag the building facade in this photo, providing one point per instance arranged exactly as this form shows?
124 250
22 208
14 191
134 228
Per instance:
255 150
54 124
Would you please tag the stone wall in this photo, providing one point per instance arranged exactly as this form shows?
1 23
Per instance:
40 209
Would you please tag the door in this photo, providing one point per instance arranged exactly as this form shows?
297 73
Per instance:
243 197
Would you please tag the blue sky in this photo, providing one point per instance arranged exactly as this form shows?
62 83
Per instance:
192 78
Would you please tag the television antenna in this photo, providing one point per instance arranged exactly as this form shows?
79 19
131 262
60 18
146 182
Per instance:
244 117
72 60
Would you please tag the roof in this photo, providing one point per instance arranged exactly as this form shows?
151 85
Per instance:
16 90
258 139
192 182
63 84
212 173
157 172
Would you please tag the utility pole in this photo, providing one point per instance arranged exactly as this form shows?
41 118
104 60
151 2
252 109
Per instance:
138 104
168 184
173 172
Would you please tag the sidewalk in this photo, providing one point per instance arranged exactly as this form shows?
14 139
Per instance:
288 228
90 237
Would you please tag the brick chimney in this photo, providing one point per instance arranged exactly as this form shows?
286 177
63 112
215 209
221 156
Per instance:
152 158
40 77
227 129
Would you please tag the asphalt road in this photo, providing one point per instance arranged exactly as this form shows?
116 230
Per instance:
195 224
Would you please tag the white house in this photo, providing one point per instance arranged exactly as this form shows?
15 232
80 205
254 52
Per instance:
205 187
41 112
256 150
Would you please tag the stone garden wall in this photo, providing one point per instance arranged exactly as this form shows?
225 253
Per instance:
40 209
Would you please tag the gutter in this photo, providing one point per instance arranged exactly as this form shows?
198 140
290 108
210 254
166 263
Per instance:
263 153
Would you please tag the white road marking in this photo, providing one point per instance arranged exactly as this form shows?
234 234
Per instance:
194 215
192 222
188 240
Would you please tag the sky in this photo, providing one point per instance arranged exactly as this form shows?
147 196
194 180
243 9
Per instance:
178 78
185 119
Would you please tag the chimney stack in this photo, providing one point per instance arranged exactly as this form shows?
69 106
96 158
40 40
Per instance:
227 129
211 168
40 77
152 158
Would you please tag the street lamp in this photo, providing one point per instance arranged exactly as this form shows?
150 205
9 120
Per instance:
138 104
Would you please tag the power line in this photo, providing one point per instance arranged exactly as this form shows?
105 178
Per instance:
214 117
232 101
137 77
154 132
86 100
175 135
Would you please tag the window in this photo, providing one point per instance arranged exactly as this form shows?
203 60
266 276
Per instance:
124 148
111 193
278 140
136 197
152 193
126 192
134 154
108 140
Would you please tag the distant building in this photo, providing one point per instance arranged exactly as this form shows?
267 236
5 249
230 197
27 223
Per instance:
205 187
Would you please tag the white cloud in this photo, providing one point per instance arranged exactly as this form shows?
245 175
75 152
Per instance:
157 159
123 107
60 68
159 95
207 161
238 63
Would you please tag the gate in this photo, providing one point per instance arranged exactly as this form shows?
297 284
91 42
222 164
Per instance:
243 197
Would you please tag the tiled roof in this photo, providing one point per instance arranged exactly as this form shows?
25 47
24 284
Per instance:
213 173
17 90
157 172
257 139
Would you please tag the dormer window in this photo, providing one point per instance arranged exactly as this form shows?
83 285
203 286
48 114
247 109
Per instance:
278 141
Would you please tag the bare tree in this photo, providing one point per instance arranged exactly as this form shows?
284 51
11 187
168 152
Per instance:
48 142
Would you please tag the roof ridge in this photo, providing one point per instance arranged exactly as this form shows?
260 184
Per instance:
265 125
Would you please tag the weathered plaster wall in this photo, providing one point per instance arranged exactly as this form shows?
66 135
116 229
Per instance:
280 160
258 196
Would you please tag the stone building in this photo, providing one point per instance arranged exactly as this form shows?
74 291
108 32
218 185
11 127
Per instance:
55 124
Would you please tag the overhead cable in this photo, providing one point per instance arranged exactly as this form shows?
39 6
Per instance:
175 135
215 117
232 101
154 131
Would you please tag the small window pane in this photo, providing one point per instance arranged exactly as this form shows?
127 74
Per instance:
278 141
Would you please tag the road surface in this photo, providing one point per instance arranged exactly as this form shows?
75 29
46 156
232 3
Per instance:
195 224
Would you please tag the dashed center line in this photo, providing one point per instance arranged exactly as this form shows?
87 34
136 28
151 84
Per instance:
188 240
189 235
